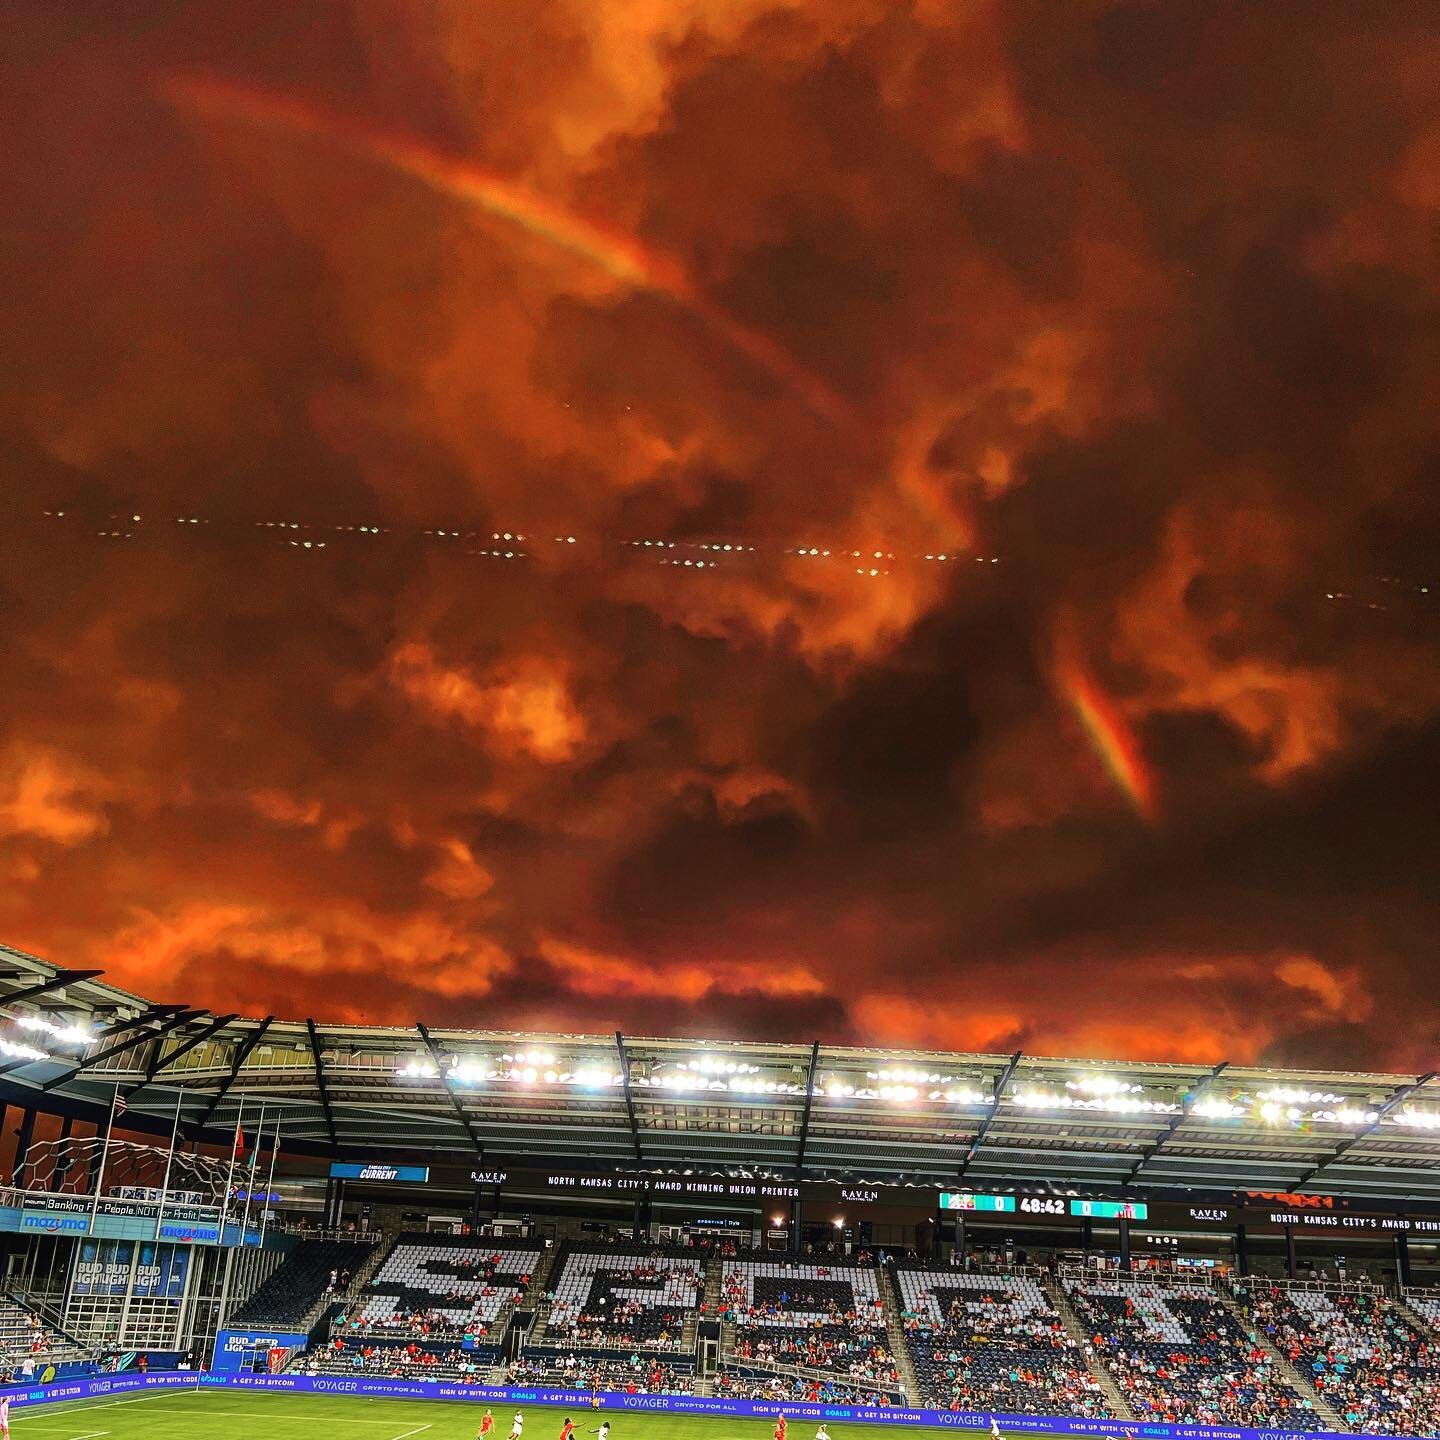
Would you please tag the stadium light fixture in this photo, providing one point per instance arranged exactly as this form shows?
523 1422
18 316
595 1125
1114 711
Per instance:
1287 1095
1116 1104
22 1052
64 1034
1418 1119
1218 1110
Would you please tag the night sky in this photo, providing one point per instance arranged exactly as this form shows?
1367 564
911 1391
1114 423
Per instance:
1130 311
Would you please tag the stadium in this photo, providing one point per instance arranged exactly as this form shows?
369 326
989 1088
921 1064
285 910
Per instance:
225 1219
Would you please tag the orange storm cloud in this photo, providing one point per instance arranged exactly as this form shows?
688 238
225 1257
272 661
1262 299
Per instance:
879 521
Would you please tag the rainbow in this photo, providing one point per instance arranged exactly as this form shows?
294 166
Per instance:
618 255
1109 736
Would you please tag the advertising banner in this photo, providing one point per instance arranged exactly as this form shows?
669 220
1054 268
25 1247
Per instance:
242 1349
160 1271
102 1267
612 1401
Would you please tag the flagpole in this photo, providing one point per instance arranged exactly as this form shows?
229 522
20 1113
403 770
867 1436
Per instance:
255 1156
270 1183
169 1160
104 1156
230 1172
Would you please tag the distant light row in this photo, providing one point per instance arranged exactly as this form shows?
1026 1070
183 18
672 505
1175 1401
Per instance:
907 1084
18 1047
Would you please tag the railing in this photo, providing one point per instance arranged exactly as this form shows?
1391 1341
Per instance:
51 1314
313 1232
807 1372
1159 1278
1251 1283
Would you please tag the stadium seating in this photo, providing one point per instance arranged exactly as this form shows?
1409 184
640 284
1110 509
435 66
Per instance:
816 1316
398 1360
1180 1356
1426 1306
441 1288
992 1342
637 1375
635 1299
24 1334
300 1282
1378 1372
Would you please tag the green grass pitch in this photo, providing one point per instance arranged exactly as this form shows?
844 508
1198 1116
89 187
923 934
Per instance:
238 1415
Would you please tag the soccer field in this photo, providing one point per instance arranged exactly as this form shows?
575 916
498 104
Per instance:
236 1415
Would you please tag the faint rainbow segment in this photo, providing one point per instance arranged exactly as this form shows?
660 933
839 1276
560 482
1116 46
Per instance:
618 255
1111 738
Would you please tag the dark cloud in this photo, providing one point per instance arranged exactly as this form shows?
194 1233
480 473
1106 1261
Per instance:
1138 299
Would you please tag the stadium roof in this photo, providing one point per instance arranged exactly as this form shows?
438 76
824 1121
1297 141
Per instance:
803 1110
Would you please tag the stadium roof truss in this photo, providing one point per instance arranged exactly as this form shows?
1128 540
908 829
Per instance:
801 1110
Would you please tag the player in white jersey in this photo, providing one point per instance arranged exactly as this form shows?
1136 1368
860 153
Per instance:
603 1430
822 1433
517 1425
5 1416
995 1427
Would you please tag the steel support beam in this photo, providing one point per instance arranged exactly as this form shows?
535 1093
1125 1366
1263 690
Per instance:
629 1099
1146 1156
157 1064
434 1050
1001 1085
320 1081
58 981
1403 1093
242 1051
81 1066
809 1101
151 1012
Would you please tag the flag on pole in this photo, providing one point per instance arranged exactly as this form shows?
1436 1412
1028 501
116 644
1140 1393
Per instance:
239 1142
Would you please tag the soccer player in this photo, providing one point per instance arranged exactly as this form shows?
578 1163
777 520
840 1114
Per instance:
780 1426
567 1430
5 1416
517 1426
487 1424
995 1427
822 1433
603 1430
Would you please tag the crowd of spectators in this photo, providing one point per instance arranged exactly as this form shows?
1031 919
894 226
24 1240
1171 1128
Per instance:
421 1324
412 1361
1180 1356
812 1316
1375 1369
638 1375
640 1300
992 1343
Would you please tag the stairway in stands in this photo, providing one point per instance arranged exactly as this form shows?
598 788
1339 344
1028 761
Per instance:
1422 1322
1113 1396
895 1335
1298 1379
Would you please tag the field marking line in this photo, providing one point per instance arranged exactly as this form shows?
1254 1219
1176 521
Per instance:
58 1409
407 1433
89 1435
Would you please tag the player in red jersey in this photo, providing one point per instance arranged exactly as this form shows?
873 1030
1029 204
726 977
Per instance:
780 1426
567 1430
487 1424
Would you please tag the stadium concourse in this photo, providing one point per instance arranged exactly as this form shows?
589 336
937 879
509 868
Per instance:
749 1225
